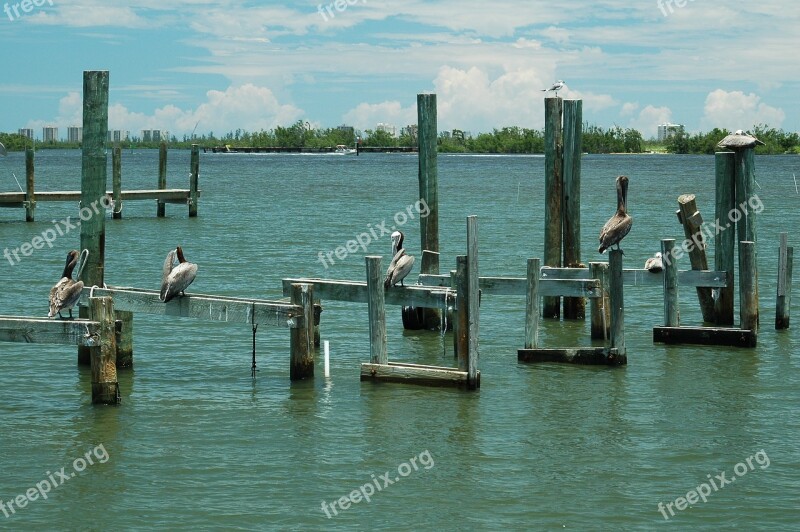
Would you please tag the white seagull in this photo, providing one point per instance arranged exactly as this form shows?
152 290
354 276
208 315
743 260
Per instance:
557 86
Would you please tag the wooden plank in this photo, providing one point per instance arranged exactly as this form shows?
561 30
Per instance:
473 302
204 307
47 331
748 286
724 241
704 336
553 194
532 305
642 277
591 356
600 307
692 223
415 374
105 388
574 308
376 308
518 286
461 329
356 292
672 316
30 196
301 364
170 195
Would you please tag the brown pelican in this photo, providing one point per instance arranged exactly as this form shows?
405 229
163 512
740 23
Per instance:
175 280
401 264
620 224
555 87
67 292
654 264
739 140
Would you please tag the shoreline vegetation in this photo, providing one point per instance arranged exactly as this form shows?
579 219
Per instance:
508 140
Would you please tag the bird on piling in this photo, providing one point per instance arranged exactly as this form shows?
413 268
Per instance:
175 280
739 140
67 292
620 224
654 264
401 263
557 86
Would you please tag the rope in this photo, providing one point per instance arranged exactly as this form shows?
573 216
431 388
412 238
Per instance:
15 179
443 323
253 367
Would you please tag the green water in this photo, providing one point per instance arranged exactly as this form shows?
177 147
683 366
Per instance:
198 443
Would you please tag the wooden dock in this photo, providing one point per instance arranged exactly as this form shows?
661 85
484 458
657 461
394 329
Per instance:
289 149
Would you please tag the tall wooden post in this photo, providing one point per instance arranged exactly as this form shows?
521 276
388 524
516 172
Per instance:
30 192
427 138
93 182
725 241
554 195
617 302
783 301
532 305
116 180
125 342
376 306
574 307
692 222
748 287
746 226
473 312
161 210
105 388
194 180
672 317
461 328
301 339
600 306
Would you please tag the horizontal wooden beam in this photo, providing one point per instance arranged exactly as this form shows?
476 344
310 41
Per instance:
705 336
49 331
204 307
590 356
415 374
642 277
517 286
169 195
356 292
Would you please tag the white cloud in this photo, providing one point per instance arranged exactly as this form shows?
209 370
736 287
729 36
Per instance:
367 116
737 110
649 118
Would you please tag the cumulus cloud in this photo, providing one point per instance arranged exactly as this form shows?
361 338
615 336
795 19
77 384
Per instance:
367 116
648 119
737 110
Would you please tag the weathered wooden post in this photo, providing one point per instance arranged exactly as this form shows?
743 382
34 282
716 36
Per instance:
105 388
617 302
376 306
554 196
30 193
692 222
672 317
125 340
748 288
600 306
427 138
461 327
473 311
93 182
783 301
161 209
574 307
301 365
116 179
745 177
193 181
532 304
725 241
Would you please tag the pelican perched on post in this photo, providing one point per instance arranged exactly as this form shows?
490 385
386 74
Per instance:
739 140
67 292
175 280
401 263
620 224
654 264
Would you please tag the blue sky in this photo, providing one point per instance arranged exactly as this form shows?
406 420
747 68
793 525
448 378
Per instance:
225 65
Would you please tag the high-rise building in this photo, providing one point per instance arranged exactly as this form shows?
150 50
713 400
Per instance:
50 134
26 132
74 134
668 130
388 128
118 135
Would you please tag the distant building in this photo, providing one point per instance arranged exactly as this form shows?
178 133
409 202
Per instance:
118 135
410 130
347 130
458 134
387 128
75 134
153 135
666 131
26 132
50 134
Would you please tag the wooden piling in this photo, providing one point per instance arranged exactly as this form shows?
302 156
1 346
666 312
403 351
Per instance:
431 317
574 307
116 179
30 193
554 187
161 209
672 317
473 302
105 388
461 327
301 339
725 241
125 339
745 176
193 181
600 307
376 305
748 286
617 303
784 296
427 138
692 222
532 304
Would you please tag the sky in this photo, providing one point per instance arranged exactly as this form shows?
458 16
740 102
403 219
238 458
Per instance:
217 66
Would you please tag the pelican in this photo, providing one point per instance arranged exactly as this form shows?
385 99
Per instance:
654 264
174 281
67 292
555 87
401 264
739 140
620 224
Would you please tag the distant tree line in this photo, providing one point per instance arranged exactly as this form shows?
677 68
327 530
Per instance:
506 140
